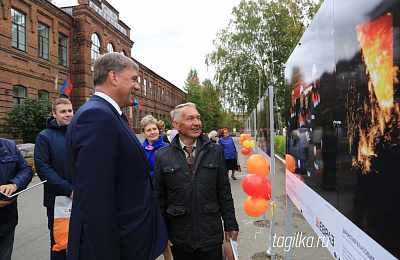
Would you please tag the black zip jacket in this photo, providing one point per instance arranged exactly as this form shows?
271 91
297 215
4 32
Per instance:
193 204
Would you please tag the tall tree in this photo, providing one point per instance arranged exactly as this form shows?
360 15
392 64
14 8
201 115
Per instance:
251 52
207 100
192 86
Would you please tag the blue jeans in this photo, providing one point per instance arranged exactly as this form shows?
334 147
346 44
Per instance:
6 245
54 255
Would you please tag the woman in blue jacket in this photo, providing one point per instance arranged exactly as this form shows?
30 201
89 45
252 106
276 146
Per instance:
230 151
152 141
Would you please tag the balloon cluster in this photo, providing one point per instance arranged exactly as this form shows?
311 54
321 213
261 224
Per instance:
256 186
246 142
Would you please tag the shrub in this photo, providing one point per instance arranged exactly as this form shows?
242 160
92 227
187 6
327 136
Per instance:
280 146
28 119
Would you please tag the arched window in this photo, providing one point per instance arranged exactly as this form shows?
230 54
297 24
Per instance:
145 87
123 52
110 47
95 48
151 89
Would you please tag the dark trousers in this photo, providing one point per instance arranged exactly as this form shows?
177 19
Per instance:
6 245
54 255
213 254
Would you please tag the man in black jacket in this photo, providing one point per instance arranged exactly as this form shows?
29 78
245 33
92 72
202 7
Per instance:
51 163
193 190
15 175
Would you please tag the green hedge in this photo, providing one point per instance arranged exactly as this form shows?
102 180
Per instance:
280 146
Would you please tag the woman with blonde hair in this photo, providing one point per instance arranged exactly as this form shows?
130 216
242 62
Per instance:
153 140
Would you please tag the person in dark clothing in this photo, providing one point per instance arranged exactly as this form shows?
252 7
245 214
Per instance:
15 175
213 136
51 163
161 128
191 185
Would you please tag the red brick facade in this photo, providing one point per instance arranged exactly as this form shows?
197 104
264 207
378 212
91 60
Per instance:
26 69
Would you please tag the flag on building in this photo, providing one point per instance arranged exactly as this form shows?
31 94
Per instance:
66 88
56 82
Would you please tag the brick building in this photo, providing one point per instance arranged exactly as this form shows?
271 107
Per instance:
42 45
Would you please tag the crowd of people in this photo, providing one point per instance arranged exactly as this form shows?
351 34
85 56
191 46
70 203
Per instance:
130 200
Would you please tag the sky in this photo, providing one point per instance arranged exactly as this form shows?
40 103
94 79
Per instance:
171 37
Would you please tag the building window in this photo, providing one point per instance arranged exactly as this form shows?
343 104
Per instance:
110 47
134 118
18 28
163 95
159 93
95 48
140 116
140 84
62 49
145 87
167 96
43 94
19 95
151 89
43 41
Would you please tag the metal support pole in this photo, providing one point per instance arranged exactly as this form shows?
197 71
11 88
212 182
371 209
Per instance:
289 228
271 250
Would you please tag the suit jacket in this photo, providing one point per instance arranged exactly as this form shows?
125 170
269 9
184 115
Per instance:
114 212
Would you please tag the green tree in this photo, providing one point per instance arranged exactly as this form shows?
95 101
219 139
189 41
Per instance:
28 119
207 100
192 87
251 52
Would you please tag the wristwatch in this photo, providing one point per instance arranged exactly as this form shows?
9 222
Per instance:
15 185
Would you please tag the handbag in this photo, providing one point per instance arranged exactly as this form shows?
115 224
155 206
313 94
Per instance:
238 168
62 214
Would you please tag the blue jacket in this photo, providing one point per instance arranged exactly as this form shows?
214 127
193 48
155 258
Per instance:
227 143
13 169
151 151
51 162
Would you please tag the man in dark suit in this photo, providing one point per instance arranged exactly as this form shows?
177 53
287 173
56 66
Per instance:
114 212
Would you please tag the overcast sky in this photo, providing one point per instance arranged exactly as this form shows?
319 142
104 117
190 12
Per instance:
171 37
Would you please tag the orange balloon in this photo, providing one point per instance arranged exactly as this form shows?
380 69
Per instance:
241 142
255 206
290 163
257 164
242 137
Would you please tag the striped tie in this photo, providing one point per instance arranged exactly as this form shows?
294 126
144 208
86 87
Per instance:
190 158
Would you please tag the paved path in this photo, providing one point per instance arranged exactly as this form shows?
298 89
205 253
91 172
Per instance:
32 237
